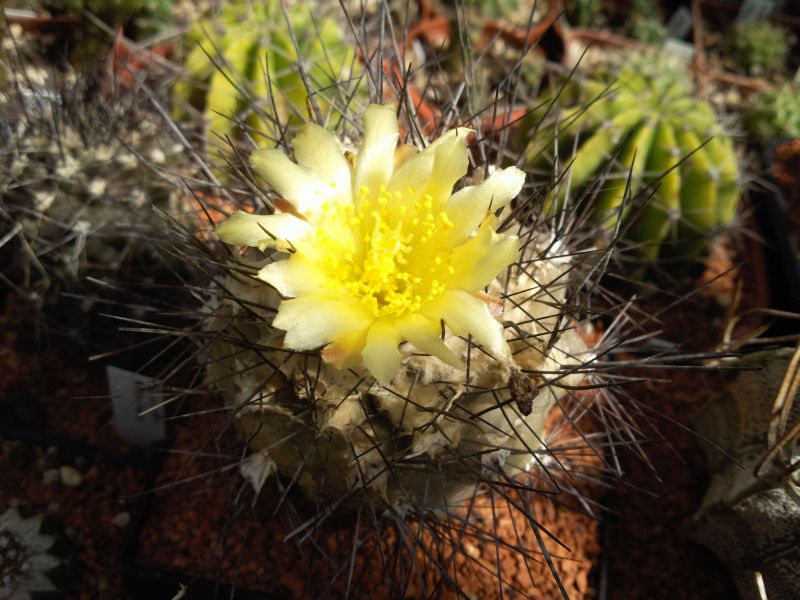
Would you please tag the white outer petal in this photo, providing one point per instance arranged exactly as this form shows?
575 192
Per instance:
492 258
292 276
450 163
312 321
417 171
423 334
381 354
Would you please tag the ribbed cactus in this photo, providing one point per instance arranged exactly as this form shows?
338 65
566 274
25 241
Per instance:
412 365
79 179
669 140
247 57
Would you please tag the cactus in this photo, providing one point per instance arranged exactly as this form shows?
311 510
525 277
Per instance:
667 140
584 13
367 398
246 56
388 342
775 113
644 23
750 515
80 178
760 48
31 557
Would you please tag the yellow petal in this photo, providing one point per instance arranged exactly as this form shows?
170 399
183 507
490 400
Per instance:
298 184
480 260
469 206
293 276
417 171
424 334
381 355
464 315
375 160
345 351
262 231
312 321
450 164
318 150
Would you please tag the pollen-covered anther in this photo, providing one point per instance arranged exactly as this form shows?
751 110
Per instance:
393 269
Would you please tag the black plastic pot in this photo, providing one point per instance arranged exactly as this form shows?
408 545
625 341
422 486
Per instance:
780 248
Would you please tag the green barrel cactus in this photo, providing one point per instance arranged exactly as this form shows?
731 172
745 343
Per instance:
663 142
247 56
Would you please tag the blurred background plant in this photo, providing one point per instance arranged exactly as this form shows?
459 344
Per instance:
584 13
760 48
775 113
34 556
85 163
645 23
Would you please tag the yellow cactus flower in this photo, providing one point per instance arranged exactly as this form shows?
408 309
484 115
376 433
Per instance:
380 251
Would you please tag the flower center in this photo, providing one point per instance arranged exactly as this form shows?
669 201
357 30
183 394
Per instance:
390 251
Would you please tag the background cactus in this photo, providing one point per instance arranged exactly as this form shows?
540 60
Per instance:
775 113
660 141
760 48
32 558
645 24
232 56
80 176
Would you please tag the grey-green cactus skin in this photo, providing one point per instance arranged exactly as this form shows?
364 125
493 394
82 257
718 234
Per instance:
424 442
750 515
81 174
662 142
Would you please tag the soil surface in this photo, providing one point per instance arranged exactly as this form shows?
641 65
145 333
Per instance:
648 553
88 497
206 523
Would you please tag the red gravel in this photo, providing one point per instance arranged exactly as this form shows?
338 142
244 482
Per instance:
203 524
87 511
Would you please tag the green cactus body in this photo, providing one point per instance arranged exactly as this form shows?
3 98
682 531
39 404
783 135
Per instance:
250 44
650 106
632 160
663 160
